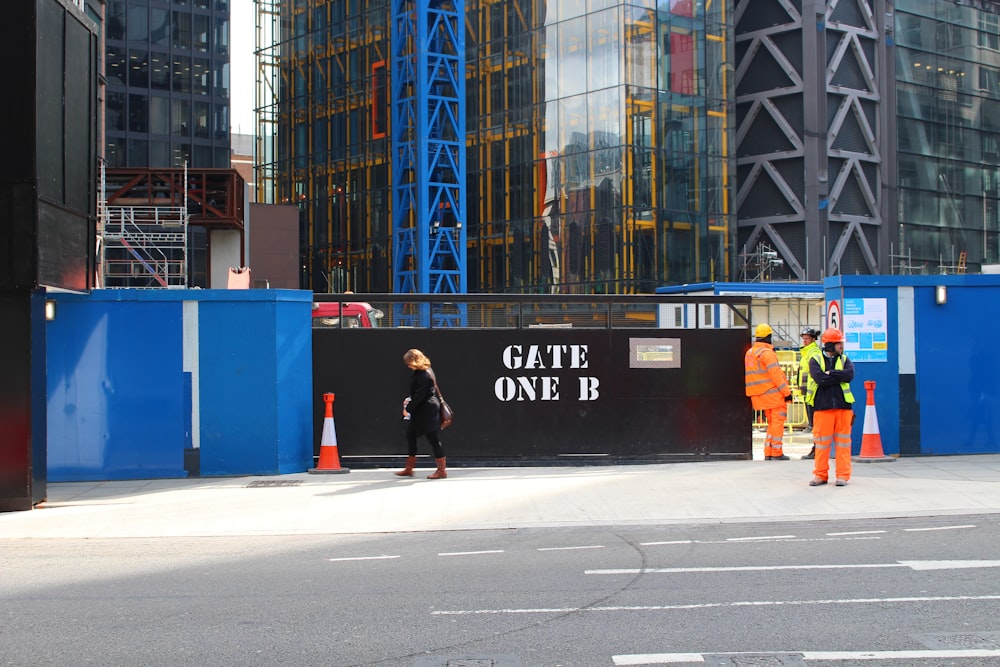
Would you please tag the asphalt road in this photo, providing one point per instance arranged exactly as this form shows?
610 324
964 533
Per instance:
799 593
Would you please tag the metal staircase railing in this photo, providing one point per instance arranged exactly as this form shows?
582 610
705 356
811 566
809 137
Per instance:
143 246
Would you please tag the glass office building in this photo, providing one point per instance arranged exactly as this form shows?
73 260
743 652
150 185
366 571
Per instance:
599 137
948 155
167 68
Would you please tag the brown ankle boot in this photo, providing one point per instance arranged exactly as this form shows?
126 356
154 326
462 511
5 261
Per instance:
408 470
441 472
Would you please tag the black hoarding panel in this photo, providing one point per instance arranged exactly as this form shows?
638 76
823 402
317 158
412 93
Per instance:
66 145
50 105
16 417
18 205
544 395
63 242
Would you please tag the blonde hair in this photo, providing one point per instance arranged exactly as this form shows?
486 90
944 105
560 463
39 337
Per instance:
416 360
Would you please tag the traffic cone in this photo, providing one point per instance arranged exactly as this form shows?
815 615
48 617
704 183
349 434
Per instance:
329 460
871 440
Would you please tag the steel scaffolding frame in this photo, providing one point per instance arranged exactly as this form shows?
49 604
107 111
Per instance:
427 44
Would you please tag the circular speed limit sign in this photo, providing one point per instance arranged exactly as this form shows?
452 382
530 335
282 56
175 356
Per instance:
833 318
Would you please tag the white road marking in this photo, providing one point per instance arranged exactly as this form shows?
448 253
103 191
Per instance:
333 560
470 553
918 530
857 532
592 546
715 605
677 658
745 540
760 537
921 565
918 565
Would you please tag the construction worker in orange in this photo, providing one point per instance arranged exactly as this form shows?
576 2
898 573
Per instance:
768 390
833 411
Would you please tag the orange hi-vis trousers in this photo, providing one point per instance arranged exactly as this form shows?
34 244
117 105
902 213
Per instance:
776 418
832 427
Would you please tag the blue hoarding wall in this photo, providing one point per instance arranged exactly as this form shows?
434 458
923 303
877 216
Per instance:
935 392
138 377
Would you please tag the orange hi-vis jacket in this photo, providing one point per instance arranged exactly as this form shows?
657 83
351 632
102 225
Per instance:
766 384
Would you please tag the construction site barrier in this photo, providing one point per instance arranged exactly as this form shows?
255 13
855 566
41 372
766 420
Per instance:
329 457
797 418
871 439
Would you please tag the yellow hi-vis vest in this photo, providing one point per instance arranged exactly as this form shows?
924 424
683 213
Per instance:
844 386
805 378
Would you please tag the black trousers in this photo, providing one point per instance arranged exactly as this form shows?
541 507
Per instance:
432 437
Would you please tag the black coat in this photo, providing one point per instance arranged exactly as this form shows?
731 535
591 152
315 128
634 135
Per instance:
829 393
424 407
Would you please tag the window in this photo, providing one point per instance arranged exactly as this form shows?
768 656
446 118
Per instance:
159 71
117 71
180 118
989 31
200 33
138 113
137 27
115 111
159 116
138 64
138 153
182 74
159 27
116 20
200 76
182 30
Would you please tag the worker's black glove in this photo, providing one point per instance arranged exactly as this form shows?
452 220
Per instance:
788 399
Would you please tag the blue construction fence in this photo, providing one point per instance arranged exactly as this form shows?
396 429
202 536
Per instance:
146 384
928 343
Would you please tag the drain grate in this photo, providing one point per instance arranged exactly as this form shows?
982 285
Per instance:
504 660
264 483
969 640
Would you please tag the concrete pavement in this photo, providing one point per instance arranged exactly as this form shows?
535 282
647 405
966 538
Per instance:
374 501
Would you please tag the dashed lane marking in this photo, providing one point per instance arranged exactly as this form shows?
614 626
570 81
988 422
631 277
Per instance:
471 553
760 537
918 565
716 605
590 546
856 532
679 658
918 530
336 560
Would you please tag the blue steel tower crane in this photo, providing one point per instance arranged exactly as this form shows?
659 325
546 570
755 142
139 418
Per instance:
428 151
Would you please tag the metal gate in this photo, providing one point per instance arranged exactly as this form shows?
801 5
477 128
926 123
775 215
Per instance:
552 379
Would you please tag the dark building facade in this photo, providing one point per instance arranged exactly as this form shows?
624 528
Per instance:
167 68
867 137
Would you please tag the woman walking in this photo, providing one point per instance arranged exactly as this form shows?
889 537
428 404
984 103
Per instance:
423 409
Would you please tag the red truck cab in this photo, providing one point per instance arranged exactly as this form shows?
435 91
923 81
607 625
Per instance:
355 314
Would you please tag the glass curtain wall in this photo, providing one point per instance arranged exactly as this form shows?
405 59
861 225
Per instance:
948 103
331 143
167 68
599 135
599 144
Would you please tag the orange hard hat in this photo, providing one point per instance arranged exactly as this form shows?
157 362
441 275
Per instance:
832 335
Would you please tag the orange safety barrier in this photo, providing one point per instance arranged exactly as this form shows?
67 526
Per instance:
329 459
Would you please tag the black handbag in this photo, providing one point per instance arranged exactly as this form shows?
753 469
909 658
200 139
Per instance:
446 414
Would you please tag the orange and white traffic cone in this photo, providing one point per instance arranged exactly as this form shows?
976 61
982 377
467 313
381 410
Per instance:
329 459
871 440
